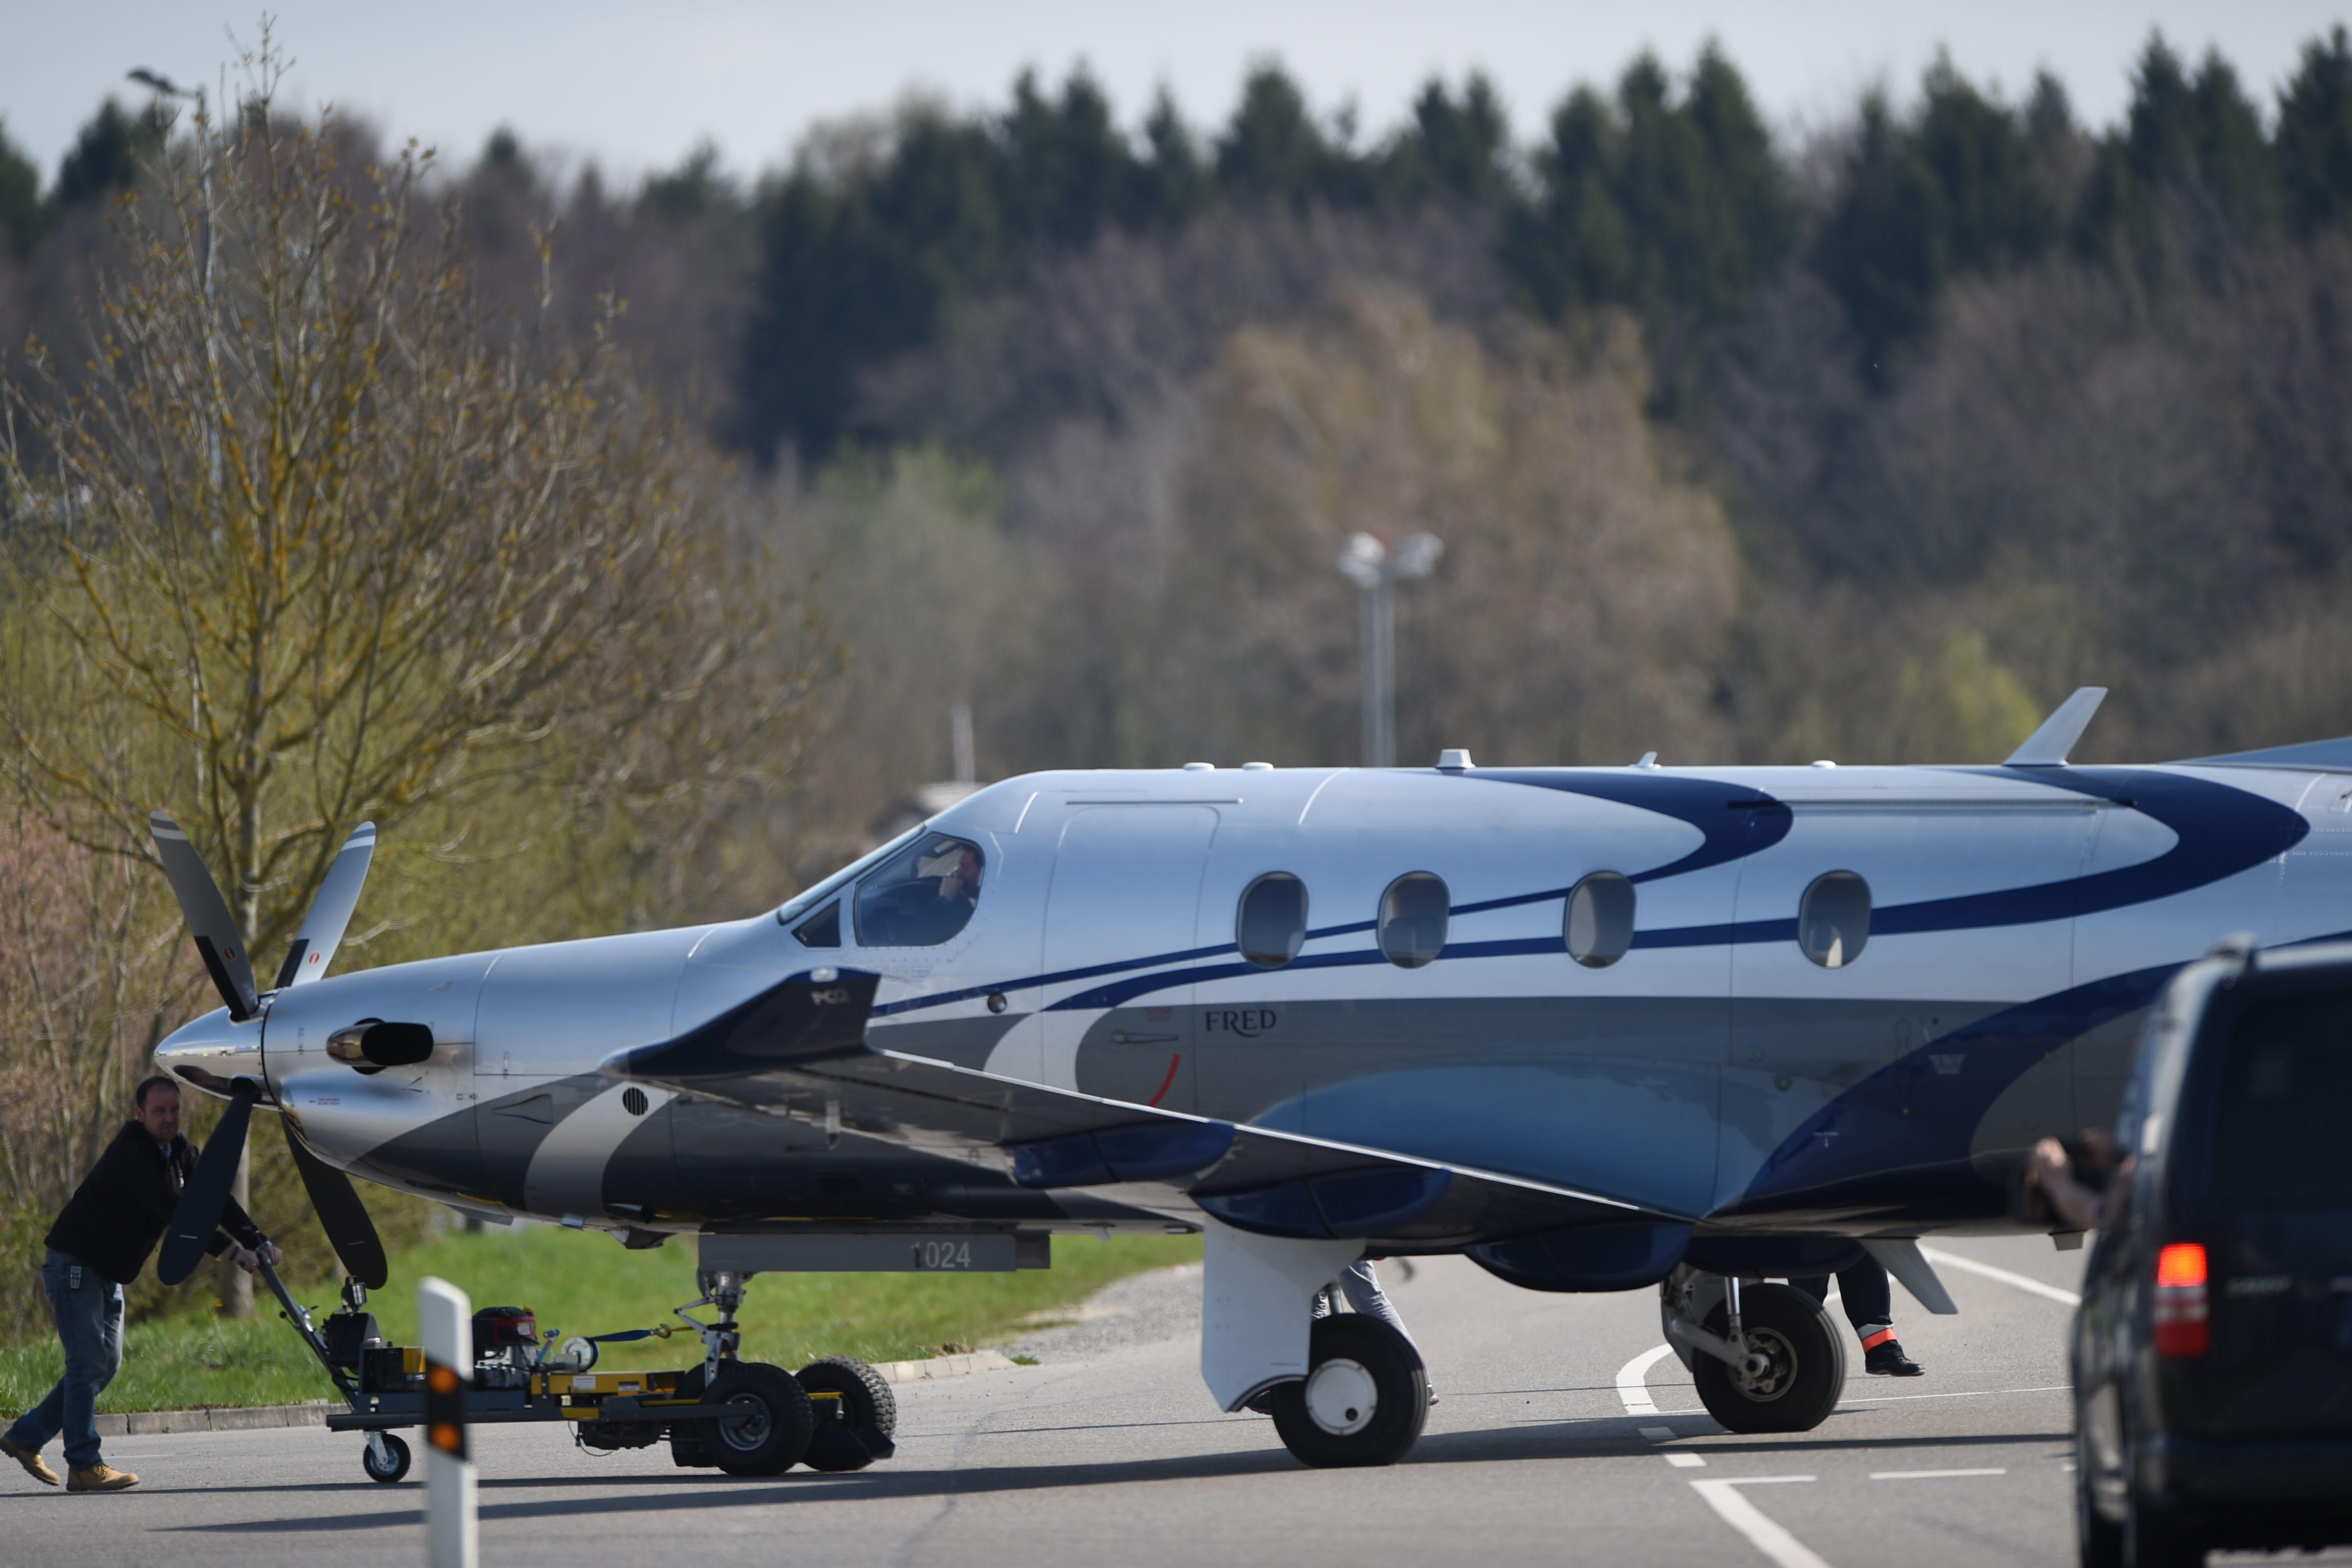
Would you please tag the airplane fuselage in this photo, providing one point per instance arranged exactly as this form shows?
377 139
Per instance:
1769 1000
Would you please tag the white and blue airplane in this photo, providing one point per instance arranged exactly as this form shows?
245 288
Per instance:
1686 1029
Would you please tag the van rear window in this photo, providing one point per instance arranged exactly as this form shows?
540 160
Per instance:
2287 1101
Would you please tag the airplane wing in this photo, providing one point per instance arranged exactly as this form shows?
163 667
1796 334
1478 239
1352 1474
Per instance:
799 1049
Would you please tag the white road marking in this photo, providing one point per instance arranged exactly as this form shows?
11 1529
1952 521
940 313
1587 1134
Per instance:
1685 1461
1971 1266
1657 1434
1633 1387
1929 1475
1748 1520
1964 1393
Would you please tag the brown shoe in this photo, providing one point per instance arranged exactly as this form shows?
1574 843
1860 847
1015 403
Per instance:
35 1465
99 1477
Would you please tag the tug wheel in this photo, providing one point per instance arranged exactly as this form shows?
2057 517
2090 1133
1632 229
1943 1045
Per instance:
1801 1372
395 1451
772 1430
1363 1400
869 1415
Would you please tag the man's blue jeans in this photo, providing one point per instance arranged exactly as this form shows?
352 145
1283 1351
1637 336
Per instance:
89 1311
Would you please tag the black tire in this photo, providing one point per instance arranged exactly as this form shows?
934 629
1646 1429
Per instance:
1363 1399
686 1436
856 1429
2098 1541
865 1395
1806 1376
396 1452
2153 1538
774 1431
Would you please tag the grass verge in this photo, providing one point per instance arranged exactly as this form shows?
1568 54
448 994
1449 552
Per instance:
580 1282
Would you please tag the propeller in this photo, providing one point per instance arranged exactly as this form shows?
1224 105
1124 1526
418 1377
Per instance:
209 921
314 945
340 1213
206 1193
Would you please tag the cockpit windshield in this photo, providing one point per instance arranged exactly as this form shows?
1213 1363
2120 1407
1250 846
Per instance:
800 904
922 896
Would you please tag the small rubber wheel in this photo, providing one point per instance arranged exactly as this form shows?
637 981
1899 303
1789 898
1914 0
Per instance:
686 1436
395 1450
856 1429
773 1430
1803 1375
1363 1400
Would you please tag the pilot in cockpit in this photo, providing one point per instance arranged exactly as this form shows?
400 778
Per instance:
958 870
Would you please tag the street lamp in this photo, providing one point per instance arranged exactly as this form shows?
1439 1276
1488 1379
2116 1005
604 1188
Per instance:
1375 570
165 86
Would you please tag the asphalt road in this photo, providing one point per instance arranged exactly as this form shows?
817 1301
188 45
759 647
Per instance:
1539 1452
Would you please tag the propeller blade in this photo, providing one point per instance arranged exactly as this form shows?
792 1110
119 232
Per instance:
341 1215
209 921
206 1193
321 931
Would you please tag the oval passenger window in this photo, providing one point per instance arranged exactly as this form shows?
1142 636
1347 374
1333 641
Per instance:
1599 925
1413 920
1833 920
1270 927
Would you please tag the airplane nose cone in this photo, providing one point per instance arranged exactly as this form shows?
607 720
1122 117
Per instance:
210 1052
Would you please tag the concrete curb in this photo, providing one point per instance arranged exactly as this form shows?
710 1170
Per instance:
313 1413
943 1366
217 1419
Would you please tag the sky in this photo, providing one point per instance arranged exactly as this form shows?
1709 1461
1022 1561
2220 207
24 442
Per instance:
634 87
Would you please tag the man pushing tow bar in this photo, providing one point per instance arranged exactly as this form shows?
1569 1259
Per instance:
98 1245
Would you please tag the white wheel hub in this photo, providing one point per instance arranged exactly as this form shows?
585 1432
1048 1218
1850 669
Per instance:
1341 1396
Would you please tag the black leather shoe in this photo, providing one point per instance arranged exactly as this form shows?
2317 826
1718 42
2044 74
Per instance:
1886 1359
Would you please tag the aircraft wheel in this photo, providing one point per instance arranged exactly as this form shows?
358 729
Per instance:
773 1430
1363 1400
1803 1372
395 1453
869 1415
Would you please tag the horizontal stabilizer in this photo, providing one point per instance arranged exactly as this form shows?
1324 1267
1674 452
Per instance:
2048 746
2319 756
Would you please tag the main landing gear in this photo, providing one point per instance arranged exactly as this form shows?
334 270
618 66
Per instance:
1363 1399
1766 1357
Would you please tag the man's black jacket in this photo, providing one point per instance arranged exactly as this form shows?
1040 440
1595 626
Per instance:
118 1214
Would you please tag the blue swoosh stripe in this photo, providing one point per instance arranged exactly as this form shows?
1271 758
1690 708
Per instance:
2220 831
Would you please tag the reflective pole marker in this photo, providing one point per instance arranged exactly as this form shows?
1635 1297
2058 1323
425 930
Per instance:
444 1320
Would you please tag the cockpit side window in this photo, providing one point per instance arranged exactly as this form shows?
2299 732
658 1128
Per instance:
923 896
822 929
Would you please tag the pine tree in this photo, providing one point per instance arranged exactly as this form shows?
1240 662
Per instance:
2314 147
22 220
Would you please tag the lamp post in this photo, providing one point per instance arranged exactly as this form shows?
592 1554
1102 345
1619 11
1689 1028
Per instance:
1375 570
164 87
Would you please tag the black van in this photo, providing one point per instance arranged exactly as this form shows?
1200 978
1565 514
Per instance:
2213 1355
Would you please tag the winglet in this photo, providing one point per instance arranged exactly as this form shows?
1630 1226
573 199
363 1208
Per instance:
2047 747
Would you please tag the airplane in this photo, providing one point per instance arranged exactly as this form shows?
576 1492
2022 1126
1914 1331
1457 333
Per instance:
1682 1029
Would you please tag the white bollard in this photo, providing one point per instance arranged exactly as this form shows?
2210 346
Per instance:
445 1322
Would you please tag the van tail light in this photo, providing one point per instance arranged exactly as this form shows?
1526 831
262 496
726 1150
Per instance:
2184 1325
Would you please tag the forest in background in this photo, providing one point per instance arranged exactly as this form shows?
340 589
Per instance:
1869 442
